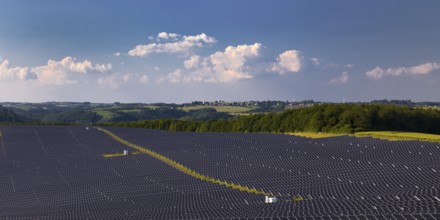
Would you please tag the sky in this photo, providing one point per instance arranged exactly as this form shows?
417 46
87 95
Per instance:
182 51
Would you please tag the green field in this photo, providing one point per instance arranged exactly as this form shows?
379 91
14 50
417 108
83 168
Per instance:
316 134
228 109
386 135
130 110
398 136
104 113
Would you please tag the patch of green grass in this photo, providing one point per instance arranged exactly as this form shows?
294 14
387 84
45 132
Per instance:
153 107
227 109
104 113
130 110
399 136
385 135
316 134
297 198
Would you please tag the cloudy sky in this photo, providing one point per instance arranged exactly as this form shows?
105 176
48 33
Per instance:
181 51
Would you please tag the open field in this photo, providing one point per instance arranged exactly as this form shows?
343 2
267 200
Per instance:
227 109
398 136
316 134
105 113
61 173
385 135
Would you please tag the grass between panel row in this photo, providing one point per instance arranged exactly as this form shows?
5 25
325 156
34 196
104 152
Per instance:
385 135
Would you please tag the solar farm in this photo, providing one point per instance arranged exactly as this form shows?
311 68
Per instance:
74 172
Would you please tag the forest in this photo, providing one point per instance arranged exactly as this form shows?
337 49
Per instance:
334 118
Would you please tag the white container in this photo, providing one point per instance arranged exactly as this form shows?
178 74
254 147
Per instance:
270 199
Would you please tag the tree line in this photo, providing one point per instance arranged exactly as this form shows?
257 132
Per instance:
335 118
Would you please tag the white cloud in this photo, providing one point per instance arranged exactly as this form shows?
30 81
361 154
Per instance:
192 62
341 79
289 61
117 54
375 73
113 81
144 79
222 66
15 73
230 64
423 69
166 36
103 67
173 77
63 72
180 44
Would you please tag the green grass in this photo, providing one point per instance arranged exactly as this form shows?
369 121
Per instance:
385 135
153 107
130 110
316 134
398 136
104 113
107 113
227 109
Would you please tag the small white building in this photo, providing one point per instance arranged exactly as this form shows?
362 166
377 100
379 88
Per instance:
125 153
270 199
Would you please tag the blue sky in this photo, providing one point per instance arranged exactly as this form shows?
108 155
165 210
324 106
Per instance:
181 51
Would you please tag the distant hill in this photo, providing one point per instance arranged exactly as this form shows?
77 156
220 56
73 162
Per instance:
9 116
252 116
72 117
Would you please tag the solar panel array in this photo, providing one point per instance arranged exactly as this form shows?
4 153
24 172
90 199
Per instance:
60 173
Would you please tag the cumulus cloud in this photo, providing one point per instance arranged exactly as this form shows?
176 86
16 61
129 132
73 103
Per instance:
375 73
166 36
231 64
62 72
179 44
113 81
192 62
423 69
341 79
289 61
222 66
15 73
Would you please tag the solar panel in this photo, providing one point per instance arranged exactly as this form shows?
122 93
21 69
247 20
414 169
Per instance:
59 172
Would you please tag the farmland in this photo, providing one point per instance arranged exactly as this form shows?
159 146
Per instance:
61 172
235 110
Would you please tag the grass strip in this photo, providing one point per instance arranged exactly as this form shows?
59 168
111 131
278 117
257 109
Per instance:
316 134
384 135
400 136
